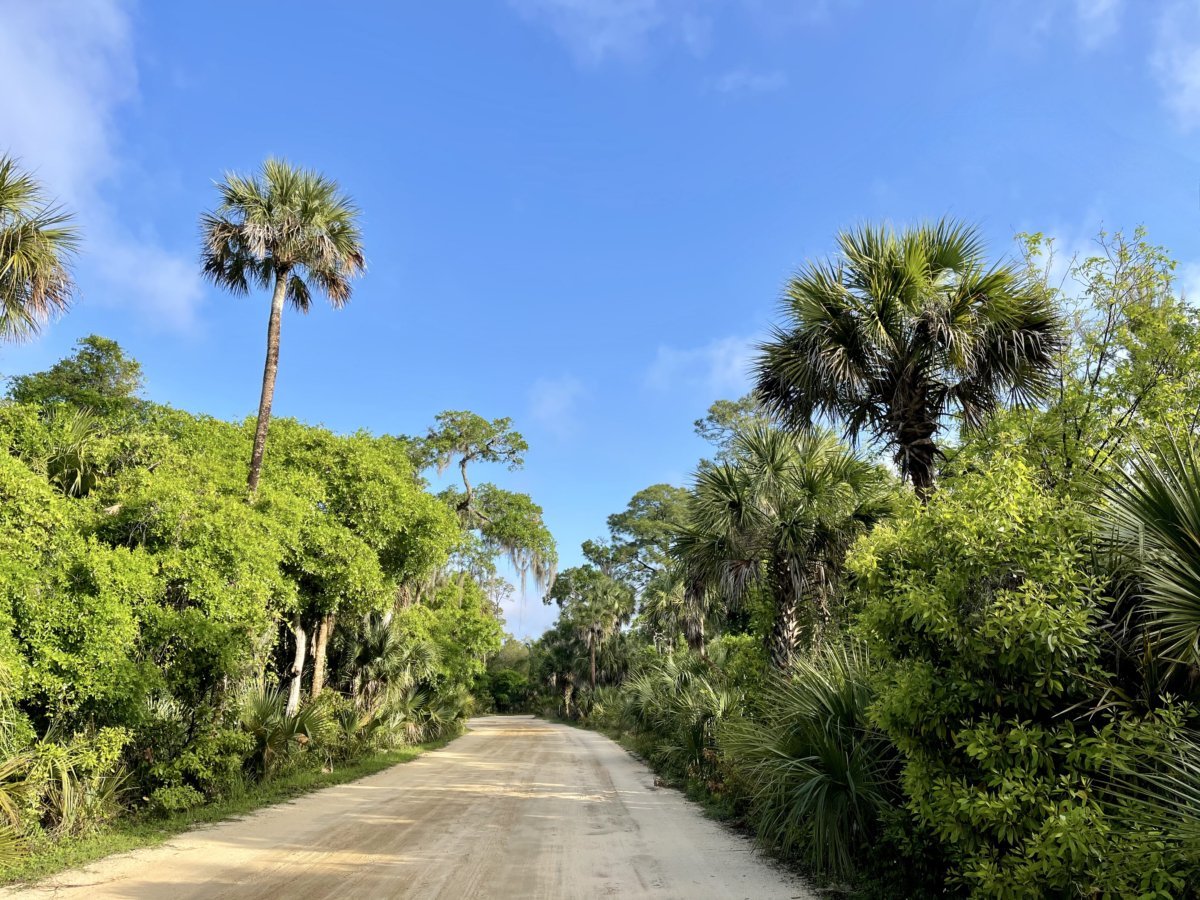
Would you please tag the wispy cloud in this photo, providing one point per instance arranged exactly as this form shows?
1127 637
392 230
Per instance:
70 67
720 368
599 30
1097 21
552 404
746 81
595 30
1176 60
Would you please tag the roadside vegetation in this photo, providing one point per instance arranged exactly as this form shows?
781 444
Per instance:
927 621
199 616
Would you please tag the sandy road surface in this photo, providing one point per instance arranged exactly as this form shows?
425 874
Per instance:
516 808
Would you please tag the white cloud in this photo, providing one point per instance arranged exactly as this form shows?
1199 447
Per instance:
745 81
721 367
1097 20
1176 60
69 67
552 403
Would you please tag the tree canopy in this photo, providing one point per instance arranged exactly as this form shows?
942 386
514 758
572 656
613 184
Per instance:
98 376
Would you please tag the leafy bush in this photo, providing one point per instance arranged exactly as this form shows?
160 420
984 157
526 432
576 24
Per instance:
177 798
508 690
74 786
602 708
202 748
983 608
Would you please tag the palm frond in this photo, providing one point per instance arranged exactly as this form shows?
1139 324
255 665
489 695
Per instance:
37 243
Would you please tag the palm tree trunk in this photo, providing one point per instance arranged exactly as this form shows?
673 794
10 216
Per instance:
270 370
917 456
787 629
324 631
592 654
297 673
786 633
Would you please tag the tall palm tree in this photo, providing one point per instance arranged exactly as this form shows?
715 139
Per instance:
37 242
902 329
288 229
781 513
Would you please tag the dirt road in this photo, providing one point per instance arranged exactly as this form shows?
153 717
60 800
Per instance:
516 808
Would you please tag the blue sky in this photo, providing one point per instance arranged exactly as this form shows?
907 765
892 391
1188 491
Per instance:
578 213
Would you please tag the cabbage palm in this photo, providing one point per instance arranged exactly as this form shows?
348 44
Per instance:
276 732
37 242
781 513
380 655
599 616
668 609
903 329
291 230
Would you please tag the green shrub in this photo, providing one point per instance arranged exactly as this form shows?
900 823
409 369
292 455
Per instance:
509 690
678 704
818 776
983 608
603 708
279 736
74 786
177 798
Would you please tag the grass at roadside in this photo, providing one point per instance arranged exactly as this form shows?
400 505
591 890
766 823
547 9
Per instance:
137 831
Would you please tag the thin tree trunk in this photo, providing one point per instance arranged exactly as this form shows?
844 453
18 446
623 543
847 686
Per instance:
270 370
470 493
324 631
592 653
693 621
297 673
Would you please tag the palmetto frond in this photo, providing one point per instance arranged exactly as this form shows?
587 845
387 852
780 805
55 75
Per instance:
1154 509
283 222
263 715
781 512
37 242
902 329
818 775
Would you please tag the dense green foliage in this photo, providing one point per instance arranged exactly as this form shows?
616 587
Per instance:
993 688
98 376
154 624
986 615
